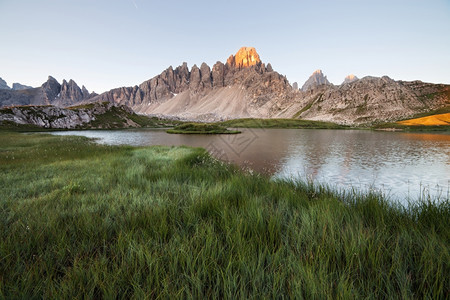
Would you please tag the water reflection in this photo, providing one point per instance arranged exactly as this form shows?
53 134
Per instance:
401 165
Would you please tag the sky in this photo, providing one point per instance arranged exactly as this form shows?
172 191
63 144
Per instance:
109 44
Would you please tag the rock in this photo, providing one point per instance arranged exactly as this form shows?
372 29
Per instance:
18 87
70 90
295 86
205 72
50 90
195 78
218 74
350 78
4 85
85 92
244 58
316 79
182 75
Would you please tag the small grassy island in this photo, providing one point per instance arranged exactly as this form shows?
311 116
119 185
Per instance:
201 128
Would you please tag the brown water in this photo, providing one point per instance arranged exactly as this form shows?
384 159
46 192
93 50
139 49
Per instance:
403 166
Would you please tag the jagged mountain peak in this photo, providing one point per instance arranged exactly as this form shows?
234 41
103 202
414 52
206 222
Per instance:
316 79
244 58
51 79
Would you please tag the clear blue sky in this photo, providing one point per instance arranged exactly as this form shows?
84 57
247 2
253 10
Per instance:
108 44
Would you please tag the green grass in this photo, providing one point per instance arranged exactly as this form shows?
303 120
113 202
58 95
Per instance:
201 128
280 123
308 106
81 220
12 126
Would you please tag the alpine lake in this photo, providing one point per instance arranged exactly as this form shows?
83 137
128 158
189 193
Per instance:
404 167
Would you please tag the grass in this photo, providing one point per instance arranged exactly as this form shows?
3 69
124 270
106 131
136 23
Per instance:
12 126
201 128
434 120
397 126
81 220
443 110
280 123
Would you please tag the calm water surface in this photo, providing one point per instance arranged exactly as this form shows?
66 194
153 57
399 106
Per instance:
403 166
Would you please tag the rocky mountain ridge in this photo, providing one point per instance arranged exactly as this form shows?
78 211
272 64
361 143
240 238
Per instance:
202 93
16 86
238 89
245 87
370 100
50 92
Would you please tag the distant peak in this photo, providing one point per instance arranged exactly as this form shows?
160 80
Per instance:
350 78
245 57
316 79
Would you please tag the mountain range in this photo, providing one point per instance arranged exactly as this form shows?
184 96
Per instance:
245 87
16 86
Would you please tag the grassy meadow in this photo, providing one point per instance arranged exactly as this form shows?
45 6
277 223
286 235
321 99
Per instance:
78 219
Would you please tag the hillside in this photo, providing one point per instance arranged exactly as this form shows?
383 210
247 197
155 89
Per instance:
96 115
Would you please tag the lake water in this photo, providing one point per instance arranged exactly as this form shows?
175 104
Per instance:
402 166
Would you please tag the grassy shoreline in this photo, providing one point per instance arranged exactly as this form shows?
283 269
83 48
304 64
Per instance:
78 218
281 123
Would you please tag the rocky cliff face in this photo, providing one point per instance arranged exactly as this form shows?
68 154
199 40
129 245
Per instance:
239 88
70 118
244 58
4 85
316 79
50 93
